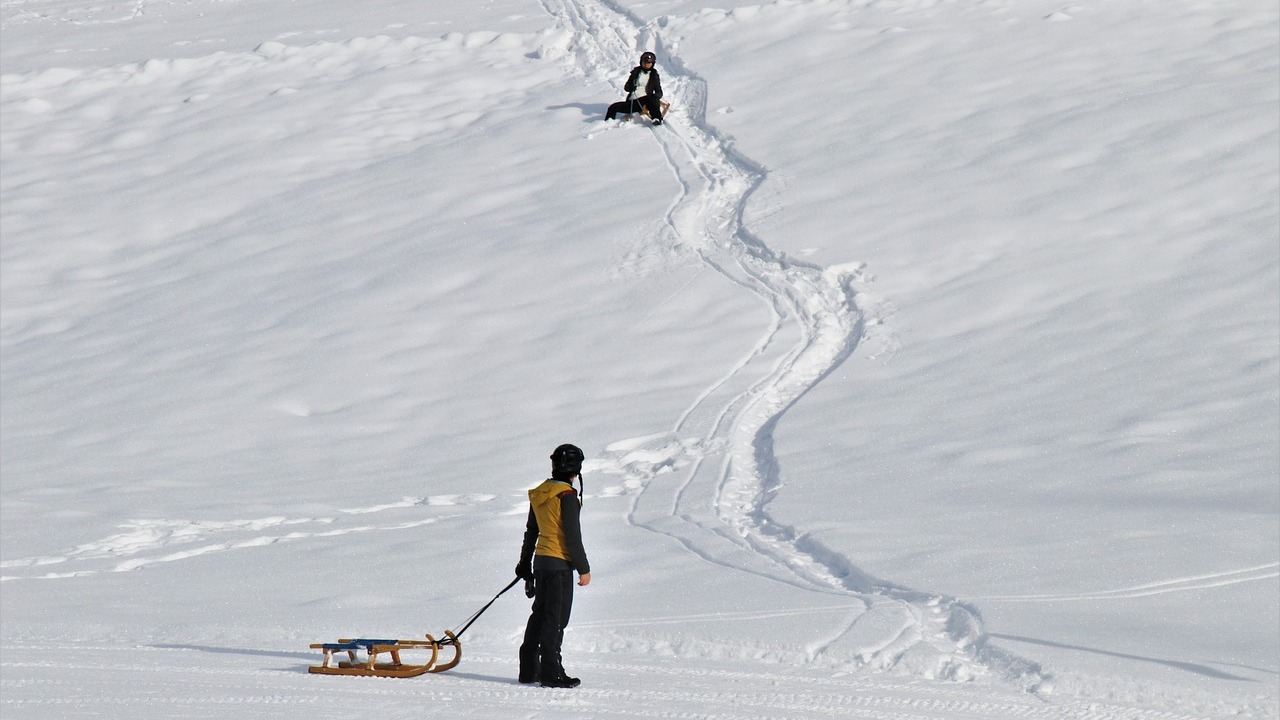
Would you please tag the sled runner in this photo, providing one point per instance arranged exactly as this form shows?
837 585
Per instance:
377 653
382 658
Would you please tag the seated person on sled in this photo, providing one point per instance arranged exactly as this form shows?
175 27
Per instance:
644 91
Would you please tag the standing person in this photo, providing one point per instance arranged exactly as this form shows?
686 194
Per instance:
551 552
644 89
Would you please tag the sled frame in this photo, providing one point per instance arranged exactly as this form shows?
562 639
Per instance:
644 111
382 657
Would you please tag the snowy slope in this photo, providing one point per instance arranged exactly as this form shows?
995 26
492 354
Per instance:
926 361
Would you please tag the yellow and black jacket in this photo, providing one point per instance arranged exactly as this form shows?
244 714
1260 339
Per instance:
553 535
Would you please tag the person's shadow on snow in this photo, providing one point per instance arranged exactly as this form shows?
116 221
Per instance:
591 112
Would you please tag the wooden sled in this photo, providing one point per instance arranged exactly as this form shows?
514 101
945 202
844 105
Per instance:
378 652
644 111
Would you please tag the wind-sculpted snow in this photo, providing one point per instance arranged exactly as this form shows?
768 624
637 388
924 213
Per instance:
148 542
708 482
253 96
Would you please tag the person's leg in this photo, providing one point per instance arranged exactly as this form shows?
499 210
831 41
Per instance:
566 608
654 106
529 648
618 107
559 602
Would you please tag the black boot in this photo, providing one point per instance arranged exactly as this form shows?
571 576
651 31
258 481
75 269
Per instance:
561 681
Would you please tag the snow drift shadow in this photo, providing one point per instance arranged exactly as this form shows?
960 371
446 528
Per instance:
1191 667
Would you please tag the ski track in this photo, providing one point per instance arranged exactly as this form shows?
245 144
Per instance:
1197 582
707 483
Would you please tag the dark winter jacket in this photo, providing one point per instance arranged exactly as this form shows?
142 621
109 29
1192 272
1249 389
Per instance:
553 534
652 88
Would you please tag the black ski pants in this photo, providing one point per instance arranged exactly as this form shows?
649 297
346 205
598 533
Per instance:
633 106
543 635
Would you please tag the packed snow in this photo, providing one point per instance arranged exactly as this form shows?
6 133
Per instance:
927 360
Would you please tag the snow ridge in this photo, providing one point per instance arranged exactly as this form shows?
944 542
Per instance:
147 542
708 482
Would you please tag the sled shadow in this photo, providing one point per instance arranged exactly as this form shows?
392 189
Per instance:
1190 667
310 658
590 111
239 651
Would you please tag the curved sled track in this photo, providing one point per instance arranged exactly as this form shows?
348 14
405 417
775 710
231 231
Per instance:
708 482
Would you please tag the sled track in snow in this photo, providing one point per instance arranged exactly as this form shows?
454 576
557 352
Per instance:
708 481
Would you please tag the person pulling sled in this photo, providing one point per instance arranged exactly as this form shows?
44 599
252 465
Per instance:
551 552
644 92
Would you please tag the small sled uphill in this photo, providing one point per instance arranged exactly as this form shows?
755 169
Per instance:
387 658
367 657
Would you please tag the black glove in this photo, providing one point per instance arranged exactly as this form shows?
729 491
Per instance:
530 589
524 572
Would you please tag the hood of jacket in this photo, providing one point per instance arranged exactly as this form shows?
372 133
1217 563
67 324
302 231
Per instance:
548 493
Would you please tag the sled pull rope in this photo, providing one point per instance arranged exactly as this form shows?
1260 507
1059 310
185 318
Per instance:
478 613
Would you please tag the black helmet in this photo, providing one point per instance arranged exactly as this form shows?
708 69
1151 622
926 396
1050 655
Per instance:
648 57
566 460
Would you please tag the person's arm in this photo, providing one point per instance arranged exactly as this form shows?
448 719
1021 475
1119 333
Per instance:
569 517
524 568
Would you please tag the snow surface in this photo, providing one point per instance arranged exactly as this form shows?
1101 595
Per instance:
927 361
